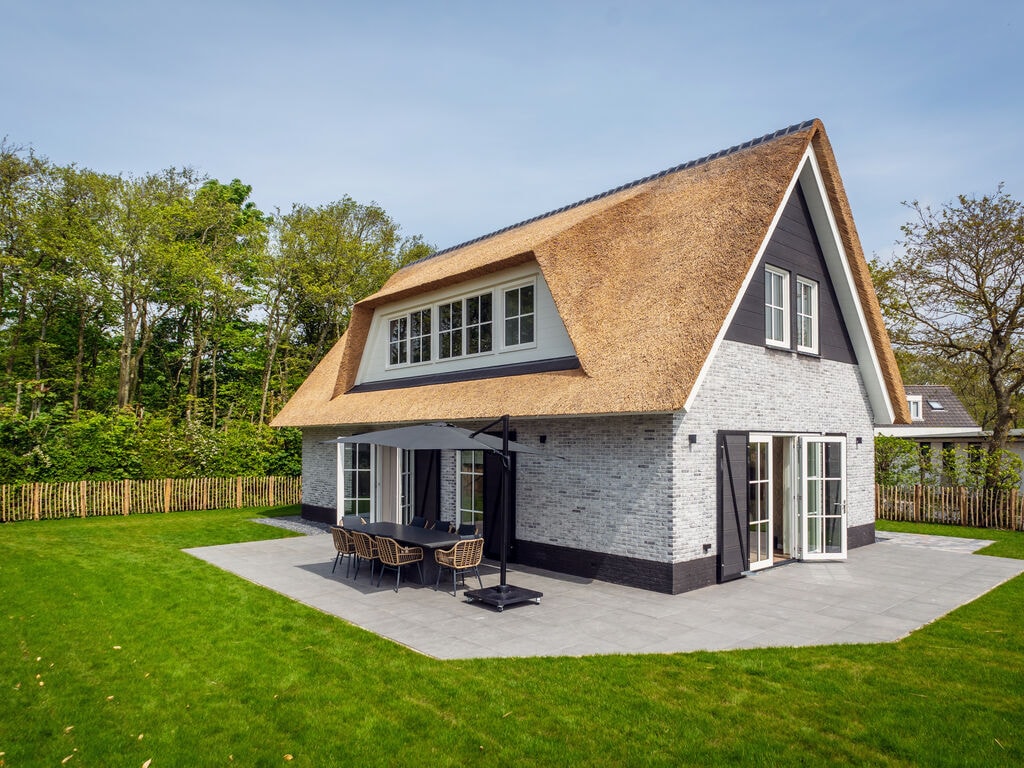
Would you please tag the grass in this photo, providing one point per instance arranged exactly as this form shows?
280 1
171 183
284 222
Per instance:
116 649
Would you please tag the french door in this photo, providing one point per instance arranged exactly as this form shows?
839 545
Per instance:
823 498
759 501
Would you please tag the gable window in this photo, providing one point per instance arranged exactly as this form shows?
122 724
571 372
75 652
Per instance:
464 327
914 402
806 315
776 307
419 336
519 316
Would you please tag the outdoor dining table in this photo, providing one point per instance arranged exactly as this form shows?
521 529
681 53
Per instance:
412 536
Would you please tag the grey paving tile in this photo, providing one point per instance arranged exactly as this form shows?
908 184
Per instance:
880 594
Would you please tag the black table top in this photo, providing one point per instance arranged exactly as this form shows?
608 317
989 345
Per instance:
408 534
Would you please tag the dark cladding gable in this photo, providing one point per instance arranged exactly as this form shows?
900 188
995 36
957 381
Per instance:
794 247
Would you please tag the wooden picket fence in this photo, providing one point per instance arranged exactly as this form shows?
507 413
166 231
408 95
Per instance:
978 508
88 498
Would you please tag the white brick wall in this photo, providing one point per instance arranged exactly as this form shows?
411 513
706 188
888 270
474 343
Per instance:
754 389
632 485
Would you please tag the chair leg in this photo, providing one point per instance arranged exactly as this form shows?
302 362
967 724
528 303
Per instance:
437 581
398 577
476 570
336 558
455 585
348 564
419 567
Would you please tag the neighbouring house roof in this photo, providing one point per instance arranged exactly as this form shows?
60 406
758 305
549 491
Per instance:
940 407
643 276
942 416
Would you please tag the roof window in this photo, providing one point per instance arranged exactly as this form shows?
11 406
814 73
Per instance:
935 405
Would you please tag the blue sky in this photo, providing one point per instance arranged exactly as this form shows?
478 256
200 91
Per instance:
463 117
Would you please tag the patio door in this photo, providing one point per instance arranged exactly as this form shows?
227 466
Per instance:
759 501
823 498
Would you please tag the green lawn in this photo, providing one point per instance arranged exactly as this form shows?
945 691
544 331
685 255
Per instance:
116 649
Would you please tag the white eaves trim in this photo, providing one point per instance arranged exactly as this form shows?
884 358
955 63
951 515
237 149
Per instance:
808 175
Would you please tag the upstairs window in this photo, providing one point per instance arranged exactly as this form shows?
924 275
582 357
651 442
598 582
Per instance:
398 341
519 316
776 307
449 330
806 315
419 336
464 327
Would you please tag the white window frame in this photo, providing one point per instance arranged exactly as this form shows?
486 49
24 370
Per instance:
769 273
914 403
429 336
348 496
401 343
469 514
464 326
811 314
406 484
503 291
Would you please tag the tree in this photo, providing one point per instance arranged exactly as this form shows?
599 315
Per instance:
958 291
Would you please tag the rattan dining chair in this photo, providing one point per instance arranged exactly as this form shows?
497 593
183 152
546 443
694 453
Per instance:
442 525
418 522
464 556
344 545
393 556
366 549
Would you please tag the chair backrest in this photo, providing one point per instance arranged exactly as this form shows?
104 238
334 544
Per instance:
467 529
387 550
418 522
442 525
468 553
364 545
342 540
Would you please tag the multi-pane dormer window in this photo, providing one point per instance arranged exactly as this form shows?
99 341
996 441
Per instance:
419 336
519 316
464 326
506 321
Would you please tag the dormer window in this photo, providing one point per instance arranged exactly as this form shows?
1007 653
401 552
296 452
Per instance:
519 316
464 327
419 336
914 403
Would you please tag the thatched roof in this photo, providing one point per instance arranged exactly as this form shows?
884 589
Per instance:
643 277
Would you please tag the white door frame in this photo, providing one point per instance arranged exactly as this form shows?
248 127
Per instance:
820 501
767 513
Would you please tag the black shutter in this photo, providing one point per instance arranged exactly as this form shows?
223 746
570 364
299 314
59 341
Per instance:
733 529
492 504
427 481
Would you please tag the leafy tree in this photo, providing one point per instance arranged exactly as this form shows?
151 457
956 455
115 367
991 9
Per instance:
957 291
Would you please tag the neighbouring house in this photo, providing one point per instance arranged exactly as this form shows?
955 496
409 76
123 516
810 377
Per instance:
939 423
700 355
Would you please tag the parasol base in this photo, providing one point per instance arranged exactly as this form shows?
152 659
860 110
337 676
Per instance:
504 594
